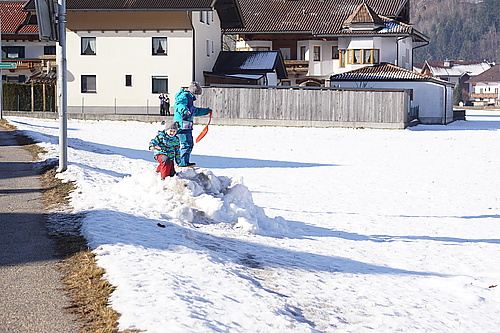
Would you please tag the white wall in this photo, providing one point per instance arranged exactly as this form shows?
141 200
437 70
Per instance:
242 45
434 100
208 42
120 53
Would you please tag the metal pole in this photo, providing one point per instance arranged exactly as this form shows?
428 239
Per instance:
62 84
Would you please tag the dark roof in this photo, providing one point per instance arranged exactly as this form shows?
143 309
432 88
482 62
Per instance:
228 10
490 75
76 5
383 72
13 18
308 16
250 62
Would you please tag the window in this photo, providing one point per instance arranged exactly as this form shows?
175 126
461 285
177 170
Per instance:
317 53
302 53
202 17
342 58
285 52
160 84
12 51
88 45
128 80
159 46
49 50
14 78
210 17
207 47
368 56
89 84
335 52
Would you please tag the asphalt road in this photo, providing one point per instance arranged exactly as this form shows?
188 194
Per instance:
31 299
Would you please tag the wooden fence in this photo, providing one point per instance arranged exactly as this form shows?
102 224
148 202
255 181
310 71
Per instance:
317 107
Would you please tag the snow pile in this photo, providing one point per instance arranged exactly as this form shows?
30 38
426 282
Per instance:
195 196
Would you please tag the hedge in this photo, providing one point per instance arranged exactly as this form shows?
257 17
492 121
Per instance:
17 97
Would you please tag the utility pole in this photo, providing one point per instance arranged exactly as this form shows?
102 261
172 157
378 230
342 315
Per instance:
62 86
51 17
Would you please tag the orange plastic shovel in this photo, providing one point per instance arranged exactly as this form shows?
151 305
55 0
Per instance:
205 130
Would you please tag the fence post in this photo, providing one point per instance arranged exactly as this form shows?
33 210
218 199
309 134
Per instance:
115 105
83 102
147 107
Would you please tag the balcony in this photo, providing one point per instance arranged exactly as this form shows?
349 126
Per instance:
24 63
294 67
484 95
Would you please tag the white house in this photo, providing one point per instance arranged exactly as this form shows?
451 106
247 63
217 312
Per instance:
457 72
323 38
486 87
431 98
122 54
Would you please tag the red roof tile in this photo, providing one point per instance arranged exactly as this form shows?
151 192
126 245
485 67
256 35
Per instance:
13 17
318 17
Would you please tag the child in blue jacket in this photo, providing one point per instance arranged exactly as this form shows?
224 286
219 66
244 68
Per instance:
184 112
166 147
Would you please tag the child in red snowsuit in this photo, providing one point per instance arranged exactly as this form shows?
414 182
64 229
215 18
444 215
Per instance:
166 147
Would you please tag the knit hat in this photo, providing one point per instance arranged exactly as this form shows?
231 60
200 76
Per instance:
195 88
170 124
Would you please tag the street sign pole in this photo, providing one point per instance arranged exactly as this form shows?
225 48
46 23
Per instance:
62 83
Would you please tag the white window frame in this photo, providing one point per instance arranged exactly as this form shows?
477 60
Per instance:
87 42
159 77
162 42
88 91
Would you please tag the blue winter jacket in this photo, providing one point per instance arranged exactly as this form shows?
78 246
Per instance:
185 111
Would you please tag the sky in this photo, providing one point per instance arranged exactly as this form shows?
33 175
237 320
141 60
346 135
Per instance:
284 229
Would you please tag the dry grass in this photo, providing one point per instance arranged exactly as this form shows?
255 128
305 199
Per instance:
83 279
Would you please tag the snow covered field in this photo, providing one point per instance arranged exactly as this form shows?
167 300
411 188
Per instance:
294 229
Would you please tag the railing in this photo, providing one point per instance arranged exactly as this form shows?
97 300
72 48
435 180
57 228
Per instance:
297 66
24 63
484 95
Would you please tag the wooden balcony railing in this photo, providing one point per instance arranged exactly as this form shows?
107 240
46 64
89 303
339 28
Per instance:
483 95
297 66
33 63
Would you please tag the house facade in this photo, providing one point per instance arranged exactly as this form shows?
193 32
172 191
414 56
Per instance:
457 72
486 87
322 38
122 54
20 43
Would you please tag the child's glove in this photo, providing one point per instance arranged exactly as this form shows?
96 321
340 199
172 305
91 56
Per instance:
164 159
